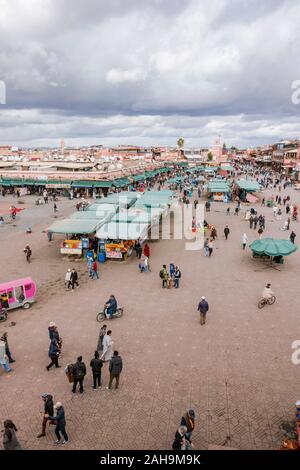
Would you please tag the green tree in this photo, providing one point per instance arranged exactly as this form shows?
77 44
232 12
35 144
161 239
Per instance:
180 142
209 156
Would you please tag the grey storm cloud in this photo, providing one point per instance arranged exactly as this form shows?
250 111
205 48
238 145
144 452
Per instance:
148 71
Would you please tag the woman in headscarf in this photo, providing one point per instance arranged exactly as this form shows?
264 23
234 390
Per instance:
102 333
181 439
147 250
10 441
54 334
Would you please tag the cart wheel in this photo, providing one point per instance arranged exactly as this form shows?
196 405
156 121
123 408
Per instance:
261 303
26 305
271 300
100 317
3 317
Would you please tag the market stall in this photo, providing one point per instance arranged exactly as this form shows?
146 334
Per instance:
77 233
218 190
245 186
117 239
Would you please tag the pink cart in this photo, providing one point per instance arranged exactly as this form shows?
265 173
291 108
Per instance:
19 293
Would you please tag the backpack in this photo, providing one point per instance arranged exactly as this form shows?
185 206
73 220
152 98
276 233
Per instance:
79 374
69 372
161 274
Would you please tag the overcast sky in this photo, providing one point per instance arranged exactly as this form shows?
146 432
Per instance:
147 72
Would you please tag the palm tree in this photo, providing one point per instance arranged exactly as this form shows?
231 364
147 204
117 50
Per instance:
180 142
209 156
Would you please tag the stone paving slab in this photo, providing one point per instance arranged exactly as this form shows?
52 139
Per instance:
235 371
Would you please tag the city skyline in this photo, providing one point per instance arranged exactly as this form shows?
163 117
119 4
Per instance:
105 74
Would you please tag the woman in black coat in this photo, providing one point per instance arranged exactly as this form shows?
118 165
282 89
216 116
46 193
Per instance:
10 441
181 439
60 421
54 353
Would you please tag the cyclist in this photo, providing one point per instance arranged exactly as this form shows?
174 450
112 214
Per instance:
267 292
111 306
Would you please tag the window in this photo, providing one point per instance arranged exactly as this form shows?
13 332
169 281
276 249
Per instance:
27 287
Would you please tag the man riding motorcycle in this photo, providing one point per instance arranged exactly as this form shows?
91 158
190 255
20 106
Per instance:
111 306
267 292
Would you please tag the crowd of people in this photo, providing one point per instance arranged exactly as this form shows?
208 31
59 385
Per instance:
170 276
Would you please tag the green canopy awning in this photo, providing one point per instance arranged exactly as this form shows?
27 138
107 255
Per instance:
29 182
164 170
75 226
41 182
102 184
218 187
227 168
210 169
121 182
58 184
137 178
82 184
182 163
12 182
175 180
150 174
273 247
248 185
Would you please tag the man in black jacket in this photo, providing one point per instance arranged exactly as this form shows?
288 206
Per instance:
177 276
96 365
73 280
48 411
226 232
203 308
79 372
115 369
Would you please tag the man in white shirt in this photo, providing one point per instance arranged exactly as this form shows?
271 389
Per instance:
244 241
267 292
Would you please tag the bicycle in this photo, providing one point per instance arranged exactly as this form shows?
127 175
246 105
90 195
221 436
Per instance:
268 301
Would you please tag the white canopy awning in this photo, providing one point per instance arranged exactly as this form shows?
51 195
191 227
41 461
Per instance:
122 231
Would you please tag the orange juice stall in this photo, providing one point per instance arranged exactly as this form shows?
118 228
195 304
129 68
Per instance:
71 247
119 250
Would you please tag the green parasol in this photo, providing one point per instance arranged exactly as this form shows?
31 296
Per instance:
273 247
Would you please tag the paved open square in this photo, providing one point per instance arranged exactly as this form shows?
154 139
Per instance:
235 371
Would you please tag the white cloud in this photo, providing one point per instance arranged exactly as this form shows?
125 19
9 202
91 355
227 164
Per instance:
118 76
220 63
